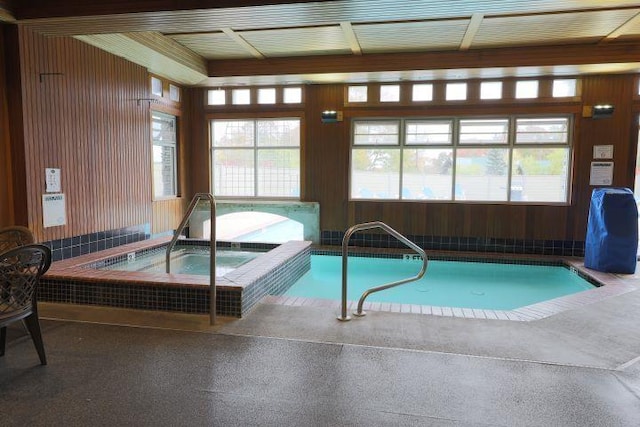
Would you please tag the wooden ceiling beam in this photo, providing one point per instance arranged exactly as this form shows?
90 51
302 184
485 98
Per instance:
475 58
240 41
472 30
350 36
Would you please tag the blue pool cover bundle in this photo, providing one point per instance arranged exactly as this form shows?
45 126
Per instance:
612 231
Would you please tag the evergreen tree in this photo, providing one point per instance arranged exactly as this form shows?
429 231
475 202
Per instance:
495 162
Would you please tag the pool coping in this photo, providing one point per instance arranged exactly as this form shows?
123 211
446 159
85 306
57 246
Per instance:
610 285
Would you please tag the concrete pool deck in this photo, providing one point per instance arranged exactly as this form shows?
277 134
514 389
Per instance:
298 365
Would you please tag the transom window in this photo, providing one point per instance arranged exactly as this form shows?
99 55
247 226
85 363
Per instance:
484 159
256 157
164 139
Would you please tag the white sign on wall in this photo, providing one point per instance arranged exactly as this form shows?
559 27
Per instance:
603 151
52 180
53 210
601 173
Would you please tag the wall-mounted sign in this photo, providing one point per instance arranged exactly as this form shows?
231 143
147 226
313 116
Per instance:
603 151
52 180
53 210
601 173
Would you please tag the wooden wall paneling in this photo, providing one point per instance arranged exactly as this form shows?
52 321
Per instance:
325 164
616 130
326 167
87 122
14 54
167 213
199 142
6 186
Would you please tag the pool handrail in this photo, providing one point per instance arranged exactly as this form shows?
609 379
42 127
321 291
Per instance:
345 243
212 263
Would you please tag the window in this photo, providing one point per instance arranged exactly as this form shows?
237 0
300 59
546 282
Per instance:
241 96
156 86
357 94
564 88
164 140
174 93
456 91
422 92
501 159
216 97
527 89
491 90
256 157
267 95
292 95
389 93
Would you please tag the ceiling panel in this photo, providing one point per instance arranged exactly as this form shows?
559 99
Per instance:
212 45
298 41
304 14
550 28
411 36
631 29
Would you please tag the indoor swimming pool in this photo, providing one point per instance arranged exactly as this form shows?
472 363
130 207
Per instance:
447 283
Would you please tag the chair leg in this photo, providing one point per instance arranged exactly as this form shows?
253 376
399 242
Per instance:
3 339
34 329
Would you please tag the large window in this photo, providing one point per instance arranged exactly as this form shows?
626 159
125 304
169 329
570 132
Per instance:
164 138
256 157
496 159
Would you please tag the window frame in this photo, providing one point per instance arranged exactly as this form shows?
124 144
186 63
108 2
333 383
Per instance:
176 146
455 145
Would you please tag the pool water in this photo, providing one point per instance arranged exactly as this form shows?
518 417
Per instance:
193 260
479 285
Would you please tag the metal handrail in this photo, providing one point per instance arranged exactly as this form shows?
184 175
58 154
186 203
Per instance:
345 242
212 262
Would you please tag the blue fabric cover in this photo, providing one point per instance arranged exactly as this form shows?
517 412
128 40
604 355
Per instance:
612 231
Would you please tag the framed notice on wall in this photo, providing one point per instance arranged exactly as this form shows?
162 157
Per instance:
54 212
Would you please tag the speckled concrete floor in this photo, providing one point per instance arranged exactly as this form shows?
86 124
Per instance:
299 366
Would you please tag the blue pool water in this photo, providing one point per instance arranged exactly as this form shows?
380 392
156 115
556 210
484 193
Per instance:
446 283
193 260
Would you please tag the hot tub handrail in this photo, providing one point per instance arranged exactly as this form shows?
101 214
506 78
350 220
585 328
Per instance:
345 242
212 265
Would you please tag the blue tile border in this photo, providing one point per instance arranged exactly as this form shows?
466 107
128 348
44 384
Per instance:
466 244
71 247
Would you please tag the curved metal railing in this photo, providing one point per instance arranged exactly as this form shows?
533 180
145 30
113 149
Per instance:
345 242
212 263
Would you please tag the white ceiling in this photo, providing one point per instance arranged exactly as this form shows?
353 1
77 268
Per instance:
184 45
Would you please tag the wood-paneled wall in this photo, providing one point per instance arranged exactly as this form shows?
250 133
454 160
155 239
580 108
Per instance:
6 189
167 213
87 122
80 113
326 167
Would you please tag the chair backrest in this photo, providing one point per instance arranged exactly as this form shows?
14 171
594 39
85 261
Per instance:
14 236
20 271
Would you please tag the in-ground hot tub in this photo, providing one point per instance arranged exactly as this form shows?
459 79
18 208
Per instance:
84 279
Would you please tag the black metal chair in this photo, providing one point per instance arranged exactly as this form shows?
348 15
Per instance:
20 272
14 236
